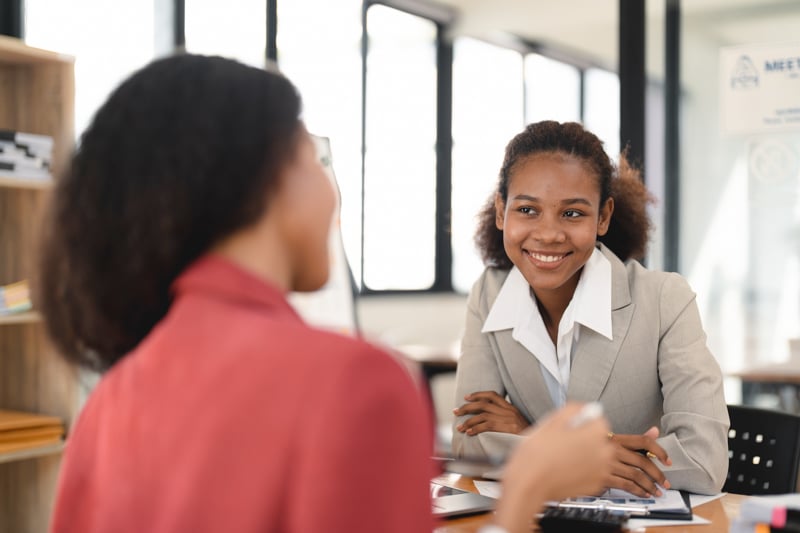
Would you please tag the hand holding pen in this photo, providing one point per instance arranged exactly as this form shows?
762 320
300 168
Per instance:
634 467
566 454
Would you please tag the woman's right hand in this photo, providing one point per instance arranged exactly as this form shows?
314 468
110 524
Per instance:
555 461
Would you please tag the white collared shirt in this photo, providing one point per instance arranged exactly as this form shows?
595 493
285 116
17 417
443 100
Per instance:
515 308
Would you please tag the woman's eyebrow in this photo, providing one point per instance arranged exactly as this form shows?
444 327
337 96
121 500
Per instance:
566 201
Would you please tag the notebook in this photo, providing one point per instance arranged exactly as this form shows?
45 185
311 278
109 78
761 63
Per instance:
449 502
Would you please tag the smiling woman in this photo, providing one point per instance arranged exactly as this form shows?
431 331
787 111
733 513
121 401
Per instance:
564 312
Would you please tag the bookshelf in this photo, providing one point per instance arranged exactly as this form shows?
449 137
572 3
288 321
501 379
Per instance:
36 96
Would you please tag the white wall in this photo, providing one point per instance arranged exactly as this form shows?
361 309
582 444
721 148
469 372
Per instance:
434 321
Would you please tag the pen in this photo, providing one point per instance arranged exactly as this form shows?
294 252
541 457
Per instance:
647 453
588 412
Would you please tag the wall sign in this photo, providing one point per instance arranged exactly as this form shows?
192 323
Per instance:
760 88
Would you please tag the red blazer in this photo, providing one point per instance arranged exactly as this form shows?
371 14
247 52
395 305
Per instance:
234 415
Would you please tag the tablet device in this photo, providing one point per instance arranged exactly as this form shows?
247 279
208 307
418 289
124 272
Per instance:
449 502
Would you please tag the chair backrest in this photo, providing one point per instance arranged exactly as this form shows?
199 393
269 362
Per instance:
763 451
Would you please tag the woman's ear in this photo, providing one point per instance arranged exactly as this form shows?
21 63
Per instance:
499 211
605 217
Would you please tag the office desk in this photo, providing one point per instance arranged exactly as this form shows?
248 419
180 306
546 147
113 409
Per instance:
719 512
432 361
779 380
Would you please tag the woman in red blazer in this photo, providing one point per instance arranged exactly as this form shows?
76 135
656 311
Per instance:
193 204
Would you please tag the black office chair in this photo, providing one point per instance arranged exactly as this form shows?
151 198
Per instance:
763 451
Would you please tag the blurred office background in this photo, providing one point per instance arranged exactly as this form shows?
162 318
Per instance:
429 92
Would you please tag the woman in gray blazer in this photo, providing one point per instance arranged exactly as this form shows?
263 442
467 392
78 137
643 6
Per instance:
564 312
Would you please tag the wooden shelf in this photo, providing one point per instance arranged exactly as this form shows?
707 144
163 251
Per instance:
37 94
14 51
21 182
26 317
29 453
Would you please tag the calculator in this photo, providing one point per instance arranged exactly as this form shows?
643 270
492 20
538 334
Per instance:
581 520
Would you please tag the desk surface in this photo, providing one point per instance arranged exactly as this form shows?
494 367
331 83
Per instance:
719 512
788 372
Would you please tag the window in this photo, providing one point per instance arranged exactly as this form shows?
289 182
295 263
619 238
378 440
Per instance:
235 29
400 151
601 107
127 31
552 90
488 104
327 72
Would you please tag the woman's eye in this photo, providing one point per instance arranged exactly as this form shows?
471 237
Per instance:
571 213
526 210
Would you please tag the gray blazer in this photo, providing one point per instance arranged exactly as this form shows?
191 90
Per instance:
657 371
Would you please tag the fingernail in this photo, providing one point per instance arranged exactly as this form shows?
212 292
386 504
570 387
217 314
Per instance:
667 484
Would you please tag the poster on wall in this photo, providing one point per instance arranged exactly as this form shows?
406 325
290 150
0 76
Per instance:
760 88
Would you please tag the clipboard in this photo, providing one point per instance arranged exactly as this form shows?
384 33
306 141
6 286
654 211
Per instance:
676 514
632 510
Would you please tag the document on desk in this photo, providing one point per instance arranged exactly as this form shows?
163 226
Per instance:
670 501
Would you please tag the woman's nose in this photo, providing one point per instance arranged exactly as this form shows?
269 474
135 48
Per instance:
549 231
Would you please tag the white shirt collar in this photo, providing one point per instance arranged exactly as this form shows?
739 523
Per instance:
592 299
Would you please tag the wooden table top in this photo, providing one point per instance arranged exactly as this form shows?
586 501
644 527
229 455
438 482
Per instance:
788 372
720 512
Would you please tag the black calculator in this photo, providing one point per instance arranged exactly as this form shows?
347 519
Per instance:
581 520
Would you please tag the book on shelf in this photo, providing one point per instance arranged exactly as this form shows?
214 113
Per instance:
16 150
20 172
13 152
20 430
35 143
15 298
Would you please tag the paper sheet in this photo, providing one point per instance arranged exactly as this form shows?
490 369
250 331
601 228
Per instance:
493 489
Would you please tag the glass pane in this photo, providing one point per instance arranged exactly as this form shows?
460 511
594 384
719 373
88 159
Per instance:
235 28
740 207
487 112
105 52
552 90
400 164
325 66
601 107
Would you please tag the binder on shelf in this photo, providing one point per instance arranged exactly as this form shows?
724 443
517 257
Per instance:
20 430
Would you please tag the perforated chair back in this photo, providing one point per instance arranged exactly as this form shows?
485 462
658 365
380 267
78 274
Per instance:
763 451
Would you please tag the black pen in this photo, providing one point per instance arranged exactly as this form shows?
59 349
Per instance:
646 453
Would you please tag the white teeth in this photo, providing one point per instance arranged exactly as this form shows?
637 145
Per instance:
545 258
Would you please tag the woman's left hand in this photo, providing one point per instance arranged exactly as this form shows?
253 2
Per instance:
490 412
633 468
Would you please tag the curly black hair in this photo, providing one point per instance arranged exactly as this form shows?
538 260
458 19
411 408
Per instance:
629 229
182 154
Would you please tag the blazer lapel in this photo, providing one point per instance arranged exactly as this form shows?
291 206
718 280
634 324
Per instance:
526 375
594 356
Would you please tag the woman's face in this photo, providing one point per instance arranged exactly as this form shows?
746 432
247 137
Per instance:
307 200
551 220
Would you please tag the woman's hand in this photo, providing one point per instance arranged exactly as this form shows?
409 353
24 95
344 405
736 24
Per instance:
555 460
633 468
490 412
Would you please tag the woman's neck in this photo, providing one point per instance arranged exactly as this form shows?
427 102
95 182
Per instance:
553 303
258 250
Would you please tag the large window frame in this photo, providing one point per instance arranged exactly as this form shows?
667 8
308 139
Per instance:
443 18
443 259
